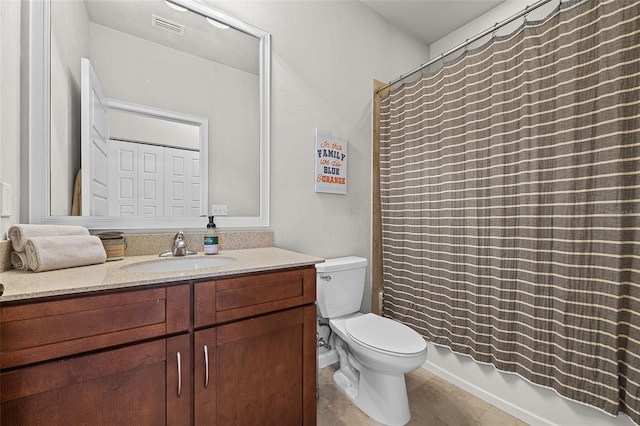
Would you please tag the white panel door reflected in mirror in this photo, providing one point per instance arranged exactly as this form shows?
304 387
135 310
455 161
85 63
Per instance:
138 160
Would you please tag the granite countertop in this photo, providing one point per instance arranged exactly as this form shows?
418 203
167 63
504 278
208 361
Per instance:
21 285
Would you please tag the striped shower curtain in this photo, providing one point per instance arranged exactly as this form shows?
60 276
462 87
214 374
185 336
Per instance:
510 203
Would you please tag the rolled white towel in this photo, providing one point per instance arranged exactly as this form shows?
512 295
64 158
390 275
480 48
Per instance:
19 260
19 234
67 251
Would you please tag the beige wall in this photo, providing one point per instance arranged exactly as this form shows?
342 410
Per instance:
10 106
326 55
498 14
69 43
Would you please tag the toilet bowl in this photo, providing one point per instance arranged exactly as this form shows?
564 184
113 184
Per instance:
374 352
371 374
382 343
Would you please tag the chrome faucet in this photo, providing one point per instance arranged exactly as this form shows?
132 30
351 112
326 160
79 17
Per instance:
179 247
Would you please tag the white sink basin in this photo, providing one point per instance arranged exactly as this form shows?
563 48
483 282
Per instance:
187 263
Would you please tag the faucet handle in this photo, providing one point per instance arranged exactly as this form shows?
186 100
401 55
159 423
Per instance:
179 245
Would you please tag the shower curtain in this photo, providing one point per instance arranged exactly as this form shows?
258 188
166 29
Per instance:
510 203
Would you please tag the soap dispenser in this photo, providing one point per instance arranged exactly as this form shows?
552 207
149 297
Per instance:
211 238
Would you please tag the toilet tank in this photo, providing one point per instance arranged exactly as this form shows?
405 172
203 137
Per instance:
340 285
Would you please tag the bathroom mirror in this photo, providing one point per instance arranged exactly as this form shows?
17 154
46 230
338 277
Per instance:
234 85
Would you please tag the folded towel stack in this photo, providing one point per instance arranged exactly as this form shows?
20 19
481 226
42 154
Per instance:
48 247
19 234
19 260
48 253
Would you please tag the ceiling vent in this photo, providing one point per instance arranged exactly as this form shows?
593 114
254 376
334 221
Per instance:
167 25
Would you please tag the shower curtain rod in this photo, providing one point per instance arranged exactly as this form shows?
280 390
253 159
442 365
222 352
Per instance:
467 42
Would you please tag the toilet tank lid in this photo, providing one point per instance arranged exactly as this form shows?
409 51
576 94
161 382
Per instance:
341 264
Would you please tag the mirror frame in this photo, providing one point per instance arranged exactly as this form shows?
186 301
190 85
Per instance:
39 170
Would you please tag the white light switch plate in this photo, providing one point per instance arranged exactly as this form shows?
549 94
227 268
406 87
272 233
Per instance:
218 209
5 200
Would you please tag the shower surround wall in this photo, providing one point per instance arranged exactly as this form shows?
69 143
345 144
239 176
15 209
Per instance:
509 183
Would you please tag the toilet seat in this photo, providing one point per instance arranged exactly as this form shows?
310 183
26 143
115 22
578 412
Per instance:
384 335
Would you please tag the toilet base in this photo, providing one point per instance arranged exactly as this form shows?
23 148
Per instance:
326 357
346 386
382 397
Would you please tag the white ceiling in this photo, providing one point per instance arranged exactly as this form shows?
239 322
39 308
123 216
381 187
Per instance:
430 20
427 20
228 46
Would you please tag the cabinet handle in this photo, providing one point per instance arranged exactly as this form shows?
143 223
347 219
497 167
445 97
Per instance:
206 367
178 357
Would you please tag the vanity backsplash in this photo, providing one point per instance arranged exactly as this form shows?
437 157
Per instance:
149 244
5 255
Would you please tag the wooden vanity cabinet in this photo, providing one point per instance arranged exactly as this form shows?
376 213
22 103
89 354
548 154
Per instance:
254 350
260 371
102 359
244 355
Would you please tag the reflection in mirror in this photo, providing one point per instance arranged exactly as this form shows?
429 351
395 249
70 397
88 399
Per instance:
137 160
169 66
152 159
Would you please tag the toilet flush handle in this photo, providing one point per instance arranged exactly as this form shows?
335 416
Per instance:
325 277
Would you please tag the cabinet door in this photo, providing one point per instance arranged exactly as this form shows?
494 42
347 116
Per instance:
178 380
264 370
204 376
132 385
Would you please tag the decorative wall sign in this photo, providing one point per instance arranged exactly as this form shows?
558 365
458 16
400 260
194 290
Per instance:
331 163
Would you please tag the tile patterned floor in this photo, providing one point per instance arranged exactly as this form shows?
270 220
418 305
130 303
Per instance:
433 402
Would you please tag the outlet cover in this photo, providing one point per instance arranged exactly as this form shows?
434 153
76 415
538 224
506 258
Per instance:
218 209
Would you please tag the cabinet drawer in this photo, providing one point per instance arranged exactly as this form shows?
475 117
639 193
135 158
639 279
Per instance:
235 298
34 332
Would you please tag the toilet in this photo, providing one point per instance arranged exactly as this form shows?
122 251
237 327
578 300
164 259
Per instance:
374 352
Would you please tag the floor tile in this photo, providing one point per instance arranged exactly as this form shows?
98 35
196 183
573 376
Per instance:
433 402
494 416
